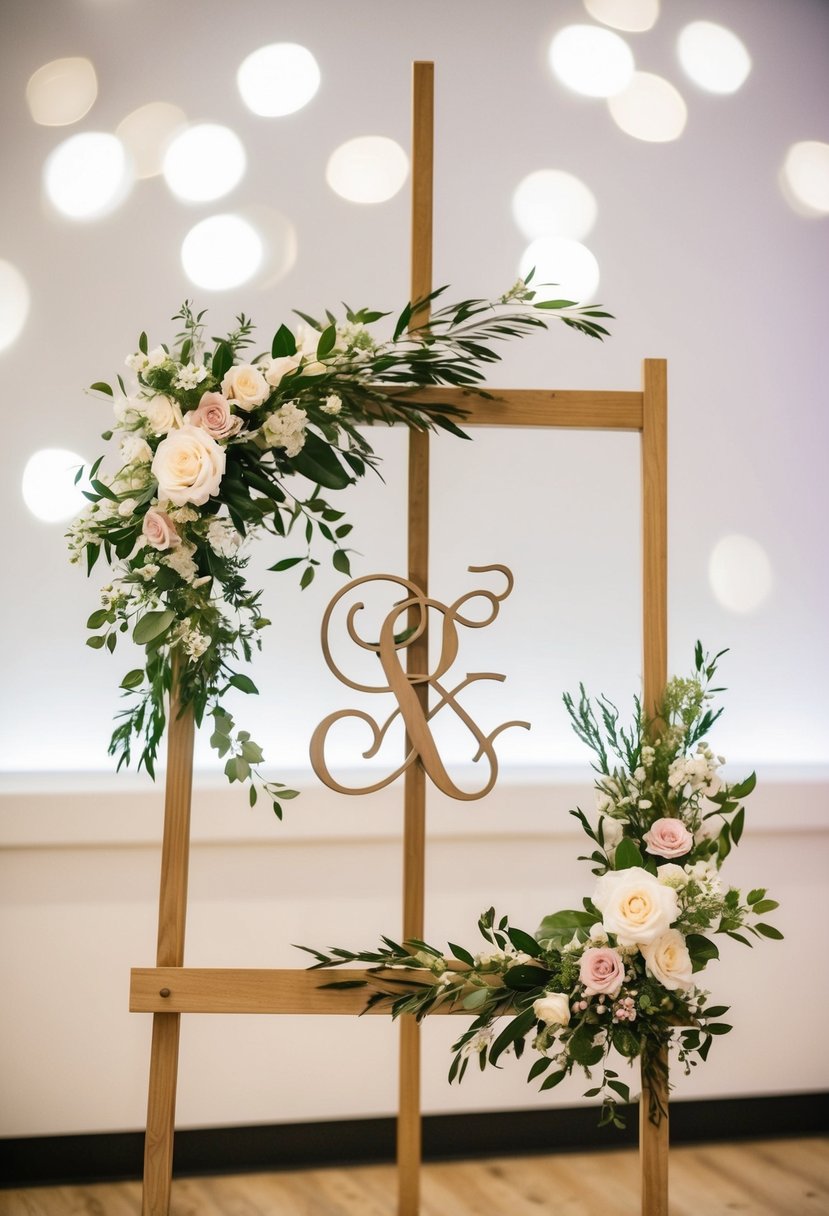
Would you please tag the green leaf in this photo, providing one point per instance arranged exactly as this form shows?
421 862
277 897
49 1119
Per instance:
765 905
554 1078
340 561
326 343
318 462
526 976
283 344
737 824
539 1067
627 855
100 387
253 795
523 941
133 678
756 895
556 930
701 950
307 578
475 999
243 683
516 1029
152 625
97 619
143 344
222 360
743 788
95 642
286 563
769 931
717 1028
555 304
580 1045
462 955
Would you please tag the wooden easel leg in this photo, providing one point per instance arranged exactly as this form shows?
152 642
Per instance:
653 1142
408 1121
161 1114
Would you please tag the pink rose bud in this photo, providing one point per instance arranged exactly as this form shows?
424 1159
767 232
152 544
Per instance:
601 971
668 838
158 530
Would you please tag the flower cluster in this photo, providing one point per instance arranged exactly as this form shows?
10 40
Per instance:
207 439
621 973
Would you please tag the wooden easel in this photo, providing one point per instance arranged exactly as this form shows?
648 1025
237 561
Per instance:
169 989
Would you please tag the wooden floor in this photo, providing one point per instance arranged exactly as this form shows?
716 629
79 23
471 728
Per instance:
761 1178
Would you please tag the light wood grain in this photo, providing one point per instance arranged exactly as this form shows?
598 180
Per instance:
655 532
761 1178
574 409
653 1144
172 917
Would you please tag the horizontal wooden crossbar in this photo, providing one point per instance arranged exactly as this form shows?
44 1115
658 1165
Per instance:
574 409
234 990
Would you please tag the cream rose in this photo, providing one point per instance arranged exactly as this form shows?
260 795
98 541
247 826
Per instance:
158 531
135 450
214 416
162 413
188 466
553 1009
278 368
601 971
668 961
245 387
635 906
668 838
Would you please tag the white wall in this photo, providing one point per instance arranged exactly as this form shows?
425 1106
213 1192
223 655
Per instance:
78 883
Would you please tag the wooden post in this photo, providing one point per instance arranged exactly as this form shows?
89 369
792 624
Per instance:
172 913
653 1138
409 1148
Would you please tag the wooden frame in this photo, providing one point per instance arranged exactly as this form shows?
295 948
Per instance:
169 989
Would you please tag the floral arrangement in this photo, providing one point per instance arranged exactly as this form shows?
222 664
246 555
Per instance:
623 972
206 444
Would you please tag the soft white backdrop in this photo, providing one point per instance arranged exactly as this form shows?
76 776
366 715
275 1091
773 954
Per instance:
703 262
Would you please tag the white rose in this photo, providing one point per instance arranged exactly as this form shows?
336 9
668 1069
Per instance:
333 404
635 906
127 410
135 450
162 413
553 1009
668 960
188 466
245 387
612 830
277 368
157 357
307 340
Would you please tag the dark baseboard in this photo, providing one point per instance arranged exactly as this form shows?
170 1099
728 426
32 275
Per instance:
54 1160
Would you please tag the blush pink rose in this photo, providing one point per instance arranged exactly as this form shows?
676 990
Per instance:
668 838
214 416
601 971
158 530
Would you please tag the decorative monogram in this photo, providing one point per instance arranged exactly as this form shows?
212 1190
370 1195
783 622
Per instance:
405 623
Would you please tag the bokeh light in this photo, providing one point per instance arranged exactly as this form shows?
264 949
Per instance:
88 175
805 177
204 162
650 108
146 134
221 252
564 269
550 202
740 574
632 15
14 303
62 91
278 79
48 485
591 61
713 57
369 169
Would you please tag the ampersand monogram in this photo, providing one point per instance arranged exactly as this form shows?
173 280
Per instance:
405 623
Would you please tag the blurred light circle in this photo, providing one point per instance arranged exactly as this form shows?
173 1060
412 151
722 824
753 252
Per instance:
278 79
62 91
591 61
650 108
48 485
221 252
14 303
632 15
146 133
806 177
279 242
204 162
740 573
713 57
551 202
564 269
369 169
87 175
